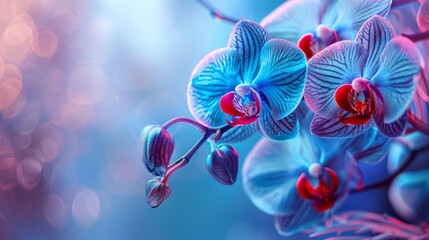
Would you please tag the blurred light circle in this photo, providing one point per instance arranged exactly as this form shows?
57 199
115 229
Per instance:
55 211
20 7
17 106
41 8
8 179
47 142
87 84
15 43
28 119
86 208
22 141
67 23
45 44
18 32
74 116
10 85
29 173
7 153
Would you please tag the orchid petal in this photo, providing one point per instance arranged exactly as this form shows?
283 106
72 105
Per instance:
247 38
409 194
400 62
287 21
338 64
393 129
214 76
423 16
333 127
348 171
374 35
353 13
282 76
277 130
370 147
270 173
240 133
305 217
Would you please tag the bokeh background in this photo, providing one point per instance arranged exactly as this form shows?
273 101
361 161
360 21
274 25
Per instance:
79 79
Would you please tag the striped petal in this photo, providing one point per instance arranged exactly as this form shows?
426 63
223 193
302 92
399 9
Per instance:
277 130
293 19
353 13
247 38
393 129
240 133
270 173
369 147
400 63
282 76
304 218
214 76
338 64
374 36
333 127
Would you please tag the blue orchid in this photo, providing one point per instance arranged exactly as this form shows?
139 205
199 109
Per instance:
316 24
302 180
254 83
355 85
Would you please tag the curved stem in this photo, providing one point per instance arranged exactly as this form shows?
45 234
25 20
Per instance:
398 3
187 157
216 13
417 37
189 121
417 123
386 181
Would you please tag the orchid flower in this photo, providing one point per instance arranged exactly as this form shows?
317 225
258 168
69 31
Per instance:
254 83
316 24
300 181
354 85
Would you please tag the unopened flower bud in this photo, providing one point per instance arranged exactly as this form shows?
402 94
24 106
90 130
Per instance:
222 164
157 192
158 146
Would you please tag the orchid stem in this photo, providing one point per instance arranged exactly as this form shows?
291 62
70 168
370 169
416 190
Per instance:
417 123
208 132
398 3
189 121
216 13
417 37
386 181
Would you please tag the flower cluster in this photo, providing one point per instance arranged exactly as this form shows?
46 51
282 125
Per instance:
329 84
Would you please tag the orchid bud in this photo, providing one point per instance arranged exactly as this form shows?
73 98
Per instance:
222 164
157 192
158 146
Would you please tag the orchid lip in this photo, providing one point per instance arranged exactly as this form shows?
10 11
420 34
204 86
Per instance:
323 196
242 105
357 99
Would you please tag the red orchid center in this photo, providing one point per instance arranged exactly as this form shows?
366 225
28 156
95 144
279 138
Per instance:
324 195
357 99
242 105
311 44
